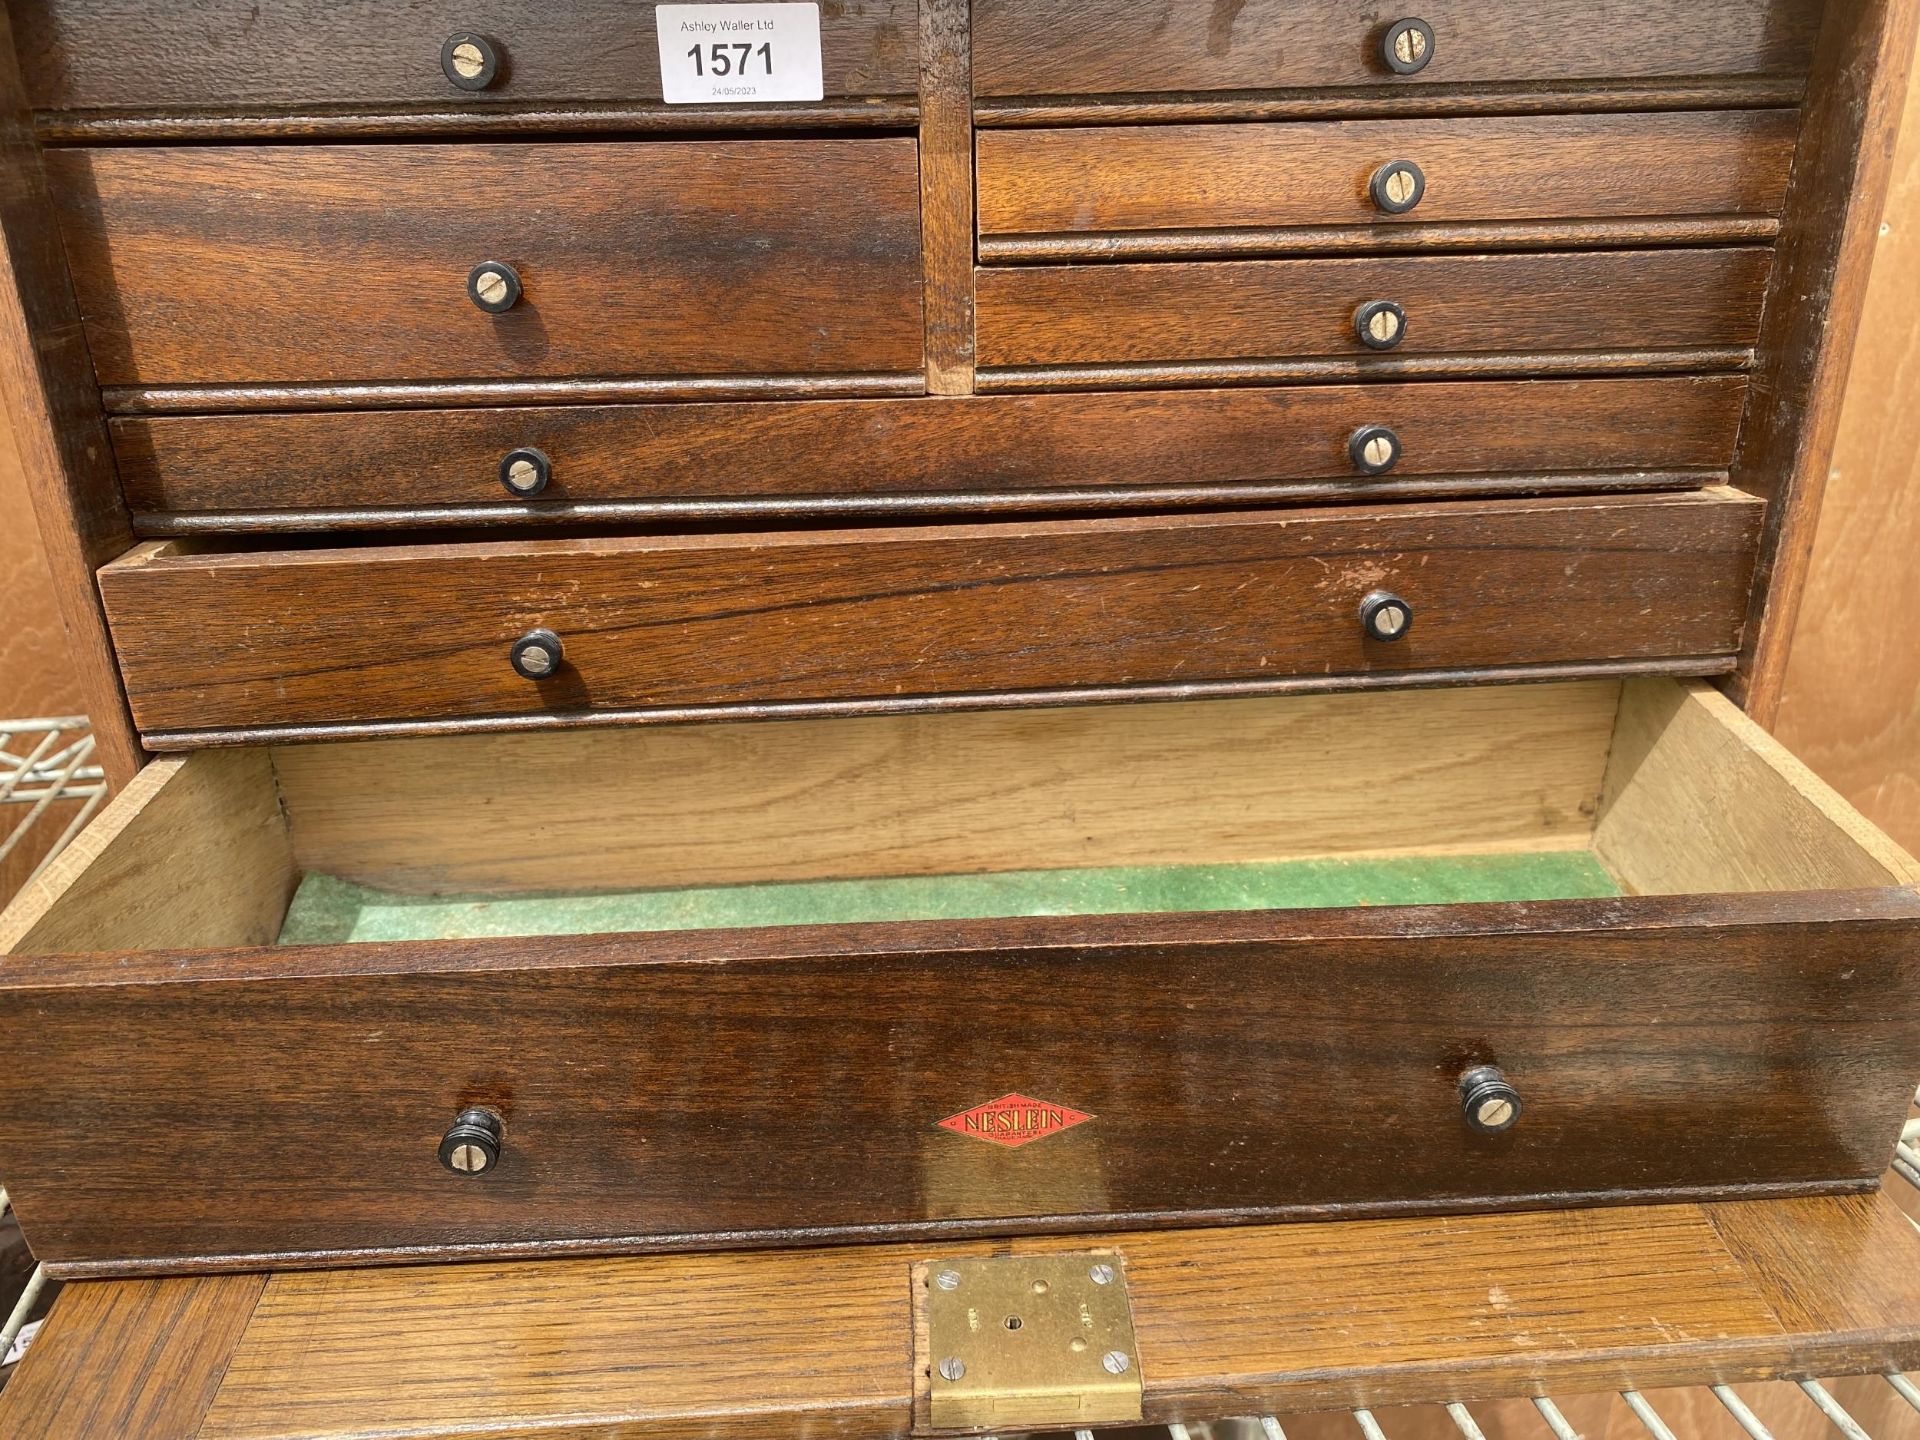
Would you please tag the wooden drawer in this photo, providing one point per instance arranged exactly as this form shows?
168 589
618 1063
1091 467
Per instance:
1073 47
350 263
1282 176
94 54
1625 302
1658 926
234 641
414 467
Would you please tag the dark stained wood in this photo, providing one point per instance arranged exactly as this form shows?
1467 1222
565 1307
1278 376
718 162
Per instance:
1597 97
1815 305
1324 370
559 390
114 127
1231 1322
661 1089
52 406
382 633
145 1358
1082 47
1423 238
1217 177
128 53
946 193
927 447
721 256
1456 305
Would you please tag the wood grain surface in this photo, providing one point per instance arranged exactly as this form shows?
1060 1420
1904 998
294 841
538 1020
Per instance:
1005 445
946 192
1217 177
1083 47
141 1358
1850 699
1237 1322
125 53
1457 305
1816 304
722 256
268 637
1471 771
659 1087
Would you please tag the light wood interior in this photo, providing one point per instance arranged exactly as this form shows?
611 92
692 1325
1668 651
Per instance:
1670 786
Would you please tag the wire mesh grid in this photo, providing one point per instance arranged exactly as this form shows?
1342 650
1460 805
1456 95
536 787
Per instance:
44 762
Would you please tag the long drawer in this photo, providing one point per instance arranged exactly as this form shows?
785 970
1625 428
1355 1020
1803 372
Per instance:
104 54
1454 306
371 262
412 466
1653 926
1534 167
1074 47
210 641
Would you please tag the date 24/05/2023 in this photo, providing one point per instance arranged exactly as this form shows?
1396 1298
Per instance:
733 54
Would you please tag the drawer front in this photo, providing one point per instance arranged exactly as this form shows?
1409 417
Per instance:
90 54
1535 167
351 263
324 465
1081 47
377 634
756 1087
1456 306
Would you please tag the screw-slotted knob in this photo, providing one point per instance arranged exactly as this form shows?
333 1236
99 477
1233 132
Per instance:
1491 1105
1407 47
1380 324
1385 617
525 472
1398 186
471 1145
494 287
1374 449
470 61
537 654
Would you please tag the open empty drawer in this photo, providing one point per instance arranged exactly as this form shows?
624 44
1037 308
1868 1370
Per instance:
938 975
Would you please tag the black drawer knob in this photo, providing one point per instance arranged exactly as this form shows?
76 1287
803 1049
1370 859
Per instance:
471 1145
1407 47
1398 186
1374 449
470 61
537 654
1385 616
525 472
1491 1105
1380 324
494 287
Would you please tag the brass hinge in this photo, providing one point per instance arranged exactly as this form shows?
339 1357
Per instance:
1025 1342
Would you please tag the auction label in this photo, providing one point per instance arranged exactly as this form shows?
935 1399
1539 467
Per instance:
739 54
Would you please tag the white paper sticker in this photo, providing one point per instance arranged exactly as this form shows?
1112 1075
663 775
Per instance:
17 1351
739 54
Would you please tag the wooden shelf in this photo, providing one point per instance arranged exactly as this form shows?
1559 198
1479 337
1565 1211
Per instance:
1231 1322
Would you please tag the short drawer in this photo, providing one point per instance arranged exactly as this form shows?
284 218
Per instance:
224 641
1096 180
108 54
757 984
1627 302
289 264
1069 47
452 466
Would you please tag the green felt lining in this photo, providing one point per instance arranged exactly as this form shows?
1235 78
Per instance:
327 911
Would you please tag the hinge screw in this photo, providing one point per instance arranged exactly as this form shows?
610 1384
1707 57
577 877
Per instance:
953 1367
1116 1362
948 1279
1101 1274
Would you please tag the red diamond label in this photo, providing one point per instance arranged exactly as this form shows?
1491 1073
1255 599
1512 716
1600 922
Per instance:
1014 1120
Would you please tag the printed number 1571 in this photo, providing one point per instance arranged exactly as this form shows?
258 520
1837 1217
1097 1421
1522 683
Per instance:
724 59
